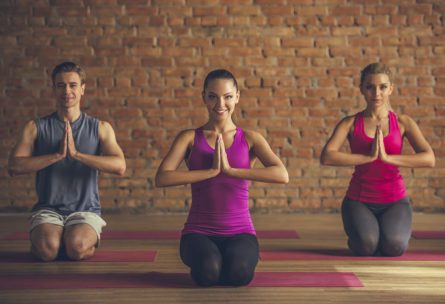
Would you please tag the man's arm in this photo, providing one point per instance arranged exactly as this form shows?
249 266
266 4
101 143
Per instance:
21 160
112 159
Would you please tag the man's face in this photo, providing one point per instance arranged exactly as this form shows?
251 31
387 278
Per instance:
68 89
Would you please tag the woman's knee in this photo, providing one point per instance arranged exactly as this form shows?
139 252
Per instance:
239 274
365 246
393 246
206 272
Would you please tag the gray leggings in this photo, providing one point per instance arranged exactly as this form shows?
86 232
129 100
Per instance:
217 259
377 229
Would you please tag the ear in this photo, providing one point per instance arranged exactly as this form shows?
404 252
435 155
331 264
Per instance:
391 88
237 96
361 89
203 94
82 88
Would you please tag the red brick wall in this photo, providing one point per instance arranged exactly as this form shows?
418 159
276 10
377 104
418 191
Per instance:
297 61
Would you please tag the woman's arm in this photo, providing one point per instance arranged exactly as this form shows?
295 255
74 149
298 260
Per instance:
331 154
424 155
168 173
273 171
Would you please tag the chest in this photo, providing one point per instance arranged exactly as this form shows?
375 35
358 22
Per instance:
370 125
227 137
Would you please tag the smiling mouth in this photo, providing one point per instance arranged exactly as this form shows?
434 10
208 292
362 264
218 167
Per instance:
220 111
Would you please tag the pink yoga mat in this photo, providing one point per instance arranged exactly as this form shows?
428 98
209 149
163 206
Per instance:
160 235
99 256
171 280
316 255
429 234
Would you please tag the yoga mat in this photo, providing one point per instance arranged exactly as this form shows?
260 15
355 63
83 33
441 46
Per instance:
99 256
429 234
159 235
346 255
171 280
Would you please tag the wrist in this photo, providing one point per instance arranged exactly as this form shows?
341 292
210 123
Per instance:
214 172
372 158
59 156
229 171
75 155
386 158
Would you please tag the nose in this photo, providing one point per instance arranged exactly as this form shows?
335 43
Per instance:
221 101
376 91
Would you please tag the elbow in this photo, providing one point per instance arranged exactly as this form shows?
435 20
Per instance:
285 178
431 160
282 177
324 160
159 183
432 163
121 169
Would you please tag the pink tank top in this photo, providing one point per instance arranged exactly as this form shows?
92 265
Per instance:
376 182
220 205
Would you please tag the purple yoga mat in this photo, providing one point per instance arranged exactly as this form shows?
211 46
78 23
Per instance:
429 234
171 280
160 235
99 256
321 254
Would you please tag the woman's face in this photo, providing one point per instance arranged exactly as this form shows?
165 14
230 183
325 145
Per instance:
376 88
220 97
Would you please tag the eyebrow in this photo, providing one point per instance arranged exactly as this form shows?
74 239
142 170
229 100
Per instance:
229 93
367 83
61 82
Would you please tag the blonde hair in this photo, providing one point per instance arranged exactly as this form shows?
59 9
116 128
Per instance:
375 68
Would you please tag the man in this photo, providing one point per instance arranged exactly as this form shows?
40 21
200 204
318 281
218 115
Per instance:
67 149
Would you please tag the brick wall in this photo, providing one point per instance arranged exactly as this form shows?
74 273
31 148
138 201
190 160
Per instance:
297 62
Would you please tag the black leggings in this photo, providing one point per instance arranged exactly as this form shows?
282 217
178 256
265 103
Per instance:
377 229
220 260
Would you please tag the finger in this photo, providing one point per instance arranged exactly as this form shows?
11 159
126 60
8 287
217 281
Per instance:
217 147
376 131
381 139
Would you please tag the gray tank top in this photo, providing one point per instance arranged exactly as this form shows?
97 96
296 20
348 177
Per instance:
67 186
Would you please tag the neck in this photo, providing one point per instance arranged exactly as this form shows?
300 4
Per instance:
70 114
377 112
220 126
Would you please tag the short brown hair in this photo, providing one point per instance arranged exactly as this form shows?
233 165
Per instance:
66 67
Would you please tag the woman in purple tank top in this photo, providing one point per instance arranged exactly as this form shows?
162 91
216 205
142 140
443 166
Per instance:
376 211
218 241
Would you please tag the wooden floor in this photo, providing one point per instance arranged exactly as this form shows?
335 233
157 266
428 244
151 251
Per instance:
384 281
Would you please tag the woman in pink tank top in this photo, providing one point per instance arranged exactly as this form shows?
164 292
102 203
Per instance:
376 211
218 241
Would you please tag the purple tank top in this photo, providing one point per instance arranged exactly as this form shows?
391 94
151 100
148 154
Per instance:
220 205
376 182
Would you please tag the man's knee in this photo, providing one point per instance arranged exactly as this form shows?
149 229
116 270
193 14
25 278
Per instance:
46 249
78 248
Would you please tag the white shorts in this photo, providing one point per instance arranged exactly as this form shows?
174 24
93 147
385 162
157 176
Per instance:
46 216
